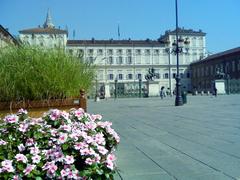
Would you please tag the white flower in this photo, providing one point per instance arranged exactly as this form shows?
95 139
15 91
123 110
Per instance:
11 118
69 159
21 157
21 147
62 138
36 159
2 142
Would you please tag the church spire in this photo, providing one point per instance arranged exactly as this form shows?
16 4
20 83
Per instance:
48 23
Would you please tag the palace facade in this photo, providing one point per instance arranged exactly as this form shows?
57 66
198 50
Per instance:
126 62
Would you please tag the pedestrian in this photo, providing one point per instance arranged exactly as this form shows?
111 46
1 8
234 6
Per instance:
162 94
215 91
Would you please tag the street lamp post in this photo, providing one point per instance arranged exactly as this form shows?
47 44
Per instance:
178 100
168 51
177 50
115 90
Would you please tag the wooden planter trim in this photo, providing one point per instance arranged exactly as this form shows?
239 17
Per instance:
53 103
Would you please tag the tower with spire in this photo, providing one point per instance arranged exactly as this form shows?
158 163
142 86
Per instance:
48 23
46 36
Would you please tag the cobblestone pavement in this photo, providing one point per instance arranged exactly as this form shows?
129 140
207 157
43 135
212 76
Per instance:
197 141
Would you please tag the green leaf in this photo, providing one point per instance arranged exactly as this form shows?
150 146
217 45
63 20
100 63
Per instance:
99 171
65 147
20 167
38 178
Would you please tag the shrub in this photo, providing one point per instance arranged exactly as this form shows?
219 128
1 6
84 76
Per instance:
59 145
33 73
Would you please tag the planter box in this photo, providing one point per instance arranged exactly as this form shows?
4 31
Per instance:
39 104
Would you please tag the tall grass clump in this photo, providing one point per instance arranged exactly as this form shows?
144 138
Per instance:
33 73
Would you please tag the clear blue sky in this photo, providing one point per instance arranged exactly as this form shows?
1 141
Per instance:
138 19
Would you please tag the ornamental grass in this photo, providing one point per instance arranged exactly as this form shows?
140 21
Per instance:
34 73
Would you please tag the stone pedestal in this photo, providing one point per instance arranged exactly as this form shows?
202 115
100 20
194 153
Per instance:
220 85
153 89
107 91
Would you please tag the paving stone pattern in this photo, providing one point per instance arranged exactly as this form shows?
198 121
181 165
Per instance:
197 141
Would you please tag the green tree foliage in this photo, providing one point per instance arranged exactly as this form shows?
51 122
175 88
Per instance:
33 73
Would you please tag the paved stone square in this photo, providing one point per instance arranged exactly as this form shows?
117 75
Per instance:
197 141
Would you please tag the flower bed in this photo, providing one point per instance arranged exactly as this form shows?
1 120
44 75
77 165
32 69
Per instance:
59 145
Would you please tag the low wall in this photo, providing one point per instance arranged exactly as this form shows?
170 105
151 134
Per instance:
80 102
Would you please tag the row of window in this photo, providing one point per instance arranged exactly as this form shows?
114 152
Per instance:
100 52
141 76
50 36
228 67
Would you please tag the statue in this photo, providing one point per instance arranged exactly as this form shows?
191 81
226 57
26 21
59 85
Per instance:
219 74
151 74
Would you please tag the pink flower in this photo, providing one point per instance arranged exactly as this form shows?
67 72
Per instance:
55 114
64 173
59 156
87 151
22 111
30 142
84 151
89 139
62 138
89 161
113 133
80 145
109 164
104 124
96 116
69 159
53 132
79 113
36 159
34 150
97 158
111 157
21 157
23 127
21 147
90 125
50 167
6 163
16 177
36 121
7 166
99 139
66 128
2 142
65 115
102 150
29 169
11 118
74 136
109 161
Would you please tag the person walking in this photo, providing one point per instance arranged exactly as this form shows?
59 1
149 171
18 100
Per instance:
215 91
162 94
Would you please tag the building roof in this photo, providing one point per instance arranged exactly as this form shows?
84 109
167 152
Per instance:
219 55
43 31
112 42
188 32
48 28
181 32
7 34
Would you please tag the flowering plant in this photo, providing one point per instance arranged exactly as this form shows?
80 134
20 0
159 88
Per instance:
59 145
